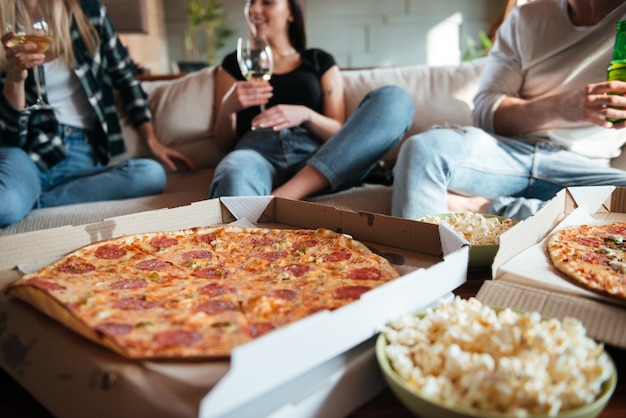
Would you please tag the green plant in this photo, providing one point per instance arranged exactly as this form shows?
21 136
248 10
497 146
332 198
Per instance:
475 51
207 25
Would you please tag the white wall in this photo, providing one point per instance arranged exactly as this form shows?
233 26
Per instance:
364 33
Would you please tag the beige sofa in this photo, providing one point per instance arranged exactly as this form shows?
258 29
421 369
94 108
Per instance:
183 119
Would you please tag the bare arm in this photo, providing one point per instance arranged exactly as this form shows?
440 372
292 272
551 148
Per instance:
515 116
323 125
230 97
164 153
326 125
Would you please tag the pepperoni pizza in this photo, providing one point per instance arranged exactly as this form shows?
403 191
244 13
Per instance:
197 293
593 256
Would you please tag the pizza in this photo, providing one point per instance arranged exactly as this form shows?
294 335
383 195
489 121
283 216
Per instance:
592 256
197 293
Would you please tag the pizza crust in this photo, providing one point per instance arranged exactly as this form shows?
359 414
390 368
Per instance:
57 311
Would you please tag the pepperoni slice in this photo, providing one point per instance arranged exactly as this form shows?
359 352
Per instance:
114 328
214 289
74 266
133 304
216 306
351 292
206 238
304 244
197 255
595 258
272 255
45 284
260 328
210 273
163 242
263 242
366 273
128 284
110 252
588 242
152 264
297 270
337 256
286 294
177 338
619 229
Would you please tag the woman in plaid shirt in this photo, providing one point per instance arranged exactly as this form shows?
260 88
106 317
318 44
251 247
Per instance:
60 156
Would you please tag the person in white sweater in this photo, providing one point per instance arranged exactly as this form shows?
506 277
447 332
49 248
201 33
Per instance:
540 119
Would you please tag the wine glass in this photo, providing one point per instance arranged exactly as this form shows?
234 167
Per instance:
31 31
254 56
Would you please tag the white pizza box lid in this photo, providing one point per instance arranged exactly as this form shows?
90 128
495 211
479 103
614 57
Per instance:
322 363
524 278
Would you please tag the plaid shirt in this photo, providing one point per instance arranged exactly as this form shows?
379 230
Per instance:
111 68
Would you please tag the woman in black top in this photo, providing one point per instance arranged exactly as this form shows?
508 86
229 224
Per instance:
306 145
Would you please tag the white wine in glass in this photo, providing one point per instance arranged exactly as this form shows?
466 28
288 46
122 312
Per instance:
32 31
254 56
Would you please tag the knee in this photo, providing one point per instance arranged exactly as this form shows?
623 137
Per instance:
437 142
148 174
414 145
241 173
13 207
397 101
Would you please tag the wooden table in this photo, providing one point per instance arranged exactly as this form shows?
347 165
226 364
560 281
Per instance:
16 402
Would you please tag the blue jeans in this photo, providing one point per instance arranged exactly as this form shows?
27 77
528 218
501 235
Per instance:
263 160
517 176
76 179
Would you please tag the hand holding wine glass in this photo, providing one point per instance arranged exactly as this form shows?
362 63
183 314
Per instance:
30 30
254 56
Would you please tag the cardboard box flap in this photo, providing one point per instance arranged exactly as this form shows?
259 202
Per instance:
592 197
422 237
53 243
604 322
30 247
617 201
250 208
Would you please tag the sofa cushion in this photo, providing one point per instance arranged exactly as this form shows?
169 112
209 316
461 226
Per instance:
183 118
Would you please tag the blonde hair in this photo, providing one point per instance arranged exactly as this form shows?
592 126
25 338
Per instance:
59 15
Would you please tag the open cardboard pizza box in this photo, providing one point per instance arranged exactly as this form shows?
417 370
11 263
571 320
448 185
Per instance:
525 279
323 365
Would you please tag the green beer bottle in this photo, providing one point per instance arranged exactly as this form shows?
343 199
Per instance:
617 68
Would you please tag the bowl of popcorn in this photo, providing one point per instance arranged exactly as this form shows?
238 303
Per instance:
466 359
482 231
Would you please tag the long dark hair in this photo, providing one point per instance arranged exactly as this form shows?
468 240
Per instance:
297 30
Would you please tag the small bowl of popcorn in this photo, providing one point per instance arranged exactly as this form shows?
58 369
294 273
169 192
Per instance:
463 359
482 231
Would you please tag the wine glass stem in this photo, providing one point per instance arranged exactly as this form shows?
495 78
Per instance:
38 84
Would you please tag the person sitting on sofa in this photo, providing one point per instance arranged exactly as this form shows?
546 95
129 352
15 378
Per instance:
58 156
303 146
540 119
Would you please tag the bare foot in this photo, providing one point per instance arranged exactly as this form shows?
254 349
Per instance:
475 204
